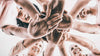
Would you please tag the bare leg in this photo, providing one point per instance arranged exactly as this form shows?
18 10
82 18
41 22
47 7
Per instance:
78 6
36 49
28 6
22 45
5 11
61 44
84 42
75 50
16 31
83 27
62 49
53 40
44 27
98 16
87 11
44 4
41 27
54 37
50 49
92 28
66 23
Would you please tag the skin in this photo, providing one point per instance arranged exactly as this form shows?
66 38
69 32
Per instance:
44 4
33 25
22 45
83 24
61 45
80 26
87 11
49 52
76 51
63 25
54 39
77 27
14 30
5 11
84 42
55 42
36 49
98 16
77 7
23 16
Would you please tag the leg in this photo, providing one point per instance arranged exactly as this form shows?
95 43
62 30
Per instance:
44 4
82 27
51 6
44 27
20 46
16 31
3 12
84 42
56 6
78 6
87 11
6 11
28 6
61 44
53 40
36 49
66 23
55 11
75 50
98 16
50 49
62 49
